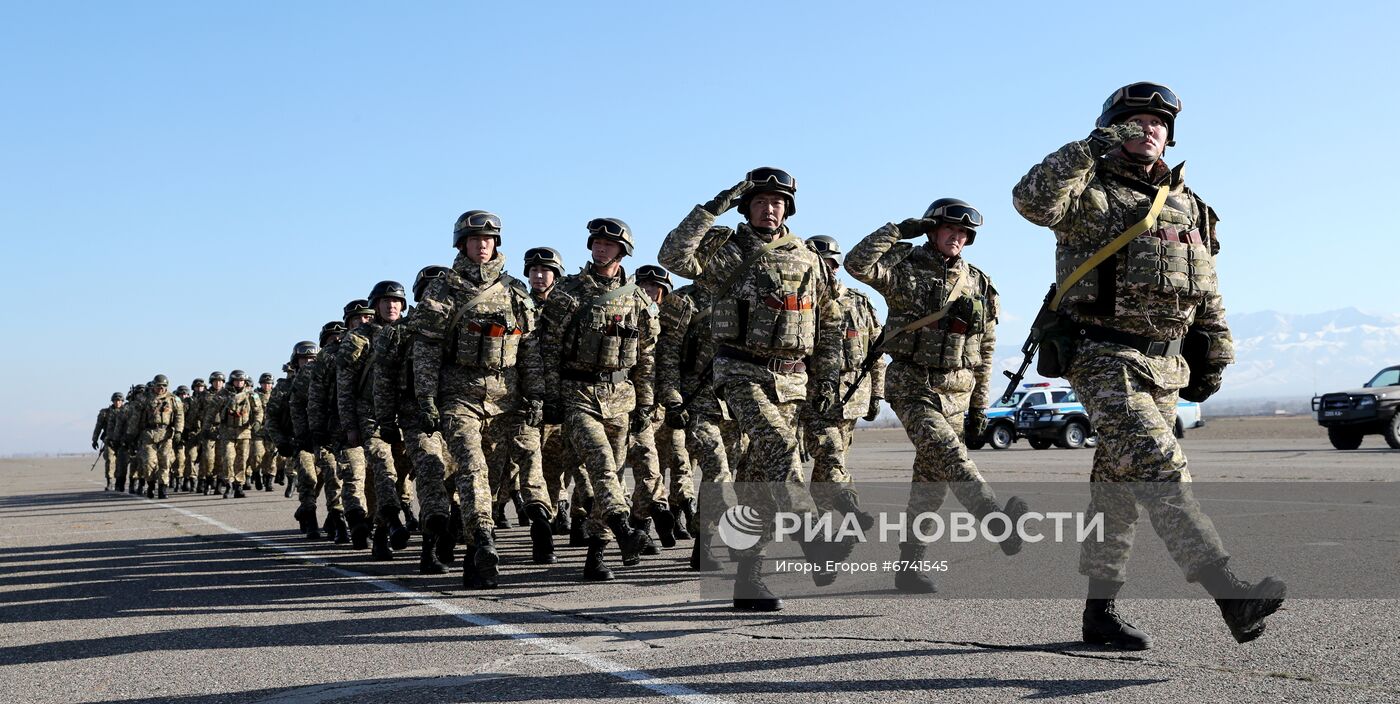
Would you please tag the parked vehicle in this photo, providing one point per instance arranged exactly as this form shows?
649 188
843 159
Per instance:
1373 409
1066 424
1001 418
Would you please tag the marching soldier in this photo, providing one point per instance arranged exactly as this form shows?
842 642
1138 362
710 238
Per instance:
1135 258
157 420
316 464
103 431
238 414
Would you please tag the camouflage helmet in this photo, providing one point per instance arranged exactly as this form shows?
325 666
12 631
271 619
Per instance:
182 390
826 246
116 396
266 378
359 306
427 275
1138 98
160 380
237 375
215 376
135 389
476 222
197 384
612 230
331 329
951 211
547 257
656 275
386 289
767 179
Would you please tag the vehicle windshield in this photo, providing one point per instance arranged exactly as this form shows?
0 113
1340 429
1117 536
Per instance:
1387 377
1070 398
1012 402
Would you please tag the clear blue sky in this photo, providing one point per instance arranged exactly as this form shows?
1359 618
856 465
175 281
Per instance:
196 186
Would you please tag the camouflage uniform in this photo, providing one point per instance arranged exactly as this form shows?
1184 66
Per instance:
348 465
560 463
480 366
396 406
175 451
940 370
264 456
154 420
209 455
828 439
126 453
1155 288
770 322
316 464
238 414
598 367
104 432
388 462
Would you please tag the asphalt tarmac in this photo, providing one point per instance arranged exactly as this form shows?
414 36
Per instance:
107 597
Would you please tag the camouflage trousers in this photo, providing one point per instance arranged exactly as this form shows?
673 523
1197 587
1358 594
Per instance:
316 472
770 475
209 459
153 457
177 461
187 469
351 469
234 455
827 440
708 437
1138 461
390 469
648 483
564 475
430 473
109 462
675 463
602 446
466 435
264 457
123 468
935 425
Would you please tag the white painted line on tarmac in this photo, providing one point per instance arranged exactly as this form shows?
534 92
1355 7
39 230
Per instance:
546 644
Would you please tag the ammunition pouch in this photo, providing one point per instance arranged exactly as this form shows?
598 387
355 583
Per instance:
1058 344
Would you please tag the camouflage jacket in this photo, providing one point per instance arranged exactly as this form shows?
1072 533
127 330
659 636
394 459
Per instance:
584 331
483 359
279 413
260 431
1159 284
685 349
859 329
953 355
391 376
102 430
322 409
354 390
154 418
209 414
304 433
194 415
238 414
787 285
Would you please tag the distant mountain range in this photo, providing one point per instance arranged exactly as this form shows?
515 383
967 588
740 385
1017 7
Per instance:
1287 357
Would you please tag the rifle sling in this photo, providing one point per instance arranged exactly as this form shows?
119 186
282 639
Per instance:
1112 248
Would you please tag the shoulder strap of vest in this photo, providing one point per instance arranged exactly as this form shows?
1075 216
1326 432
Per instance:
1109 249
450 339
953 296
618 292
723 289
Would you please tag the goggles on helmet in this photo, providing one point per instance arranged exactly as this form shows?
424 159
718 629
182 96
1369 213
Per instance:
1144 95
956 213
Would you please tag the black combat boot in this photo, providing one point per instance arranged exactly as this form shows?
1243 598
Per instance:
381 549
312 531
683 515
201 487
1015 508
1103 625
630 542
561 518
912 578
291 485
847 502
189 484
455 524
541 535
121 483
227 487
328 525
410 521
281 478
438 527
498 515
702 556
238 488
151 490
428 562
342 531
643 526
522 517
481 567
140 487
665 523
398 533
160 490
1244 606
593 568
257 481
267 482
576 537
750 593
300 515
359 528
108 487
246 486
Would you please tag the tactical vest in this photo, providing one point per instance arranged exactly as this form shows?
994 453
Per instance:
488 335
779 315
238 412
604 332
158 413
857 322
1172 260
952 343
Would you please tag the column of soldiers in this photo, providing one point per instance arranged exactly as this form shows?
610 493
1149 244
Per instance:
543 392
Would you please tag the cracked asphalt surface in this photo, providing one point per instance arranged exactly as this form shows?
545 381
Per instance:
107 597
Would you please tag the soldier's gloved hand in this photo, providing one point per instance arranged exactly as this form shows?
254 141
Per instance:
534 412
428 416
1106 139
727 198
910 228
976 423
640 420
874 410
1203 385
677 418
94 444
553 412
825 399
